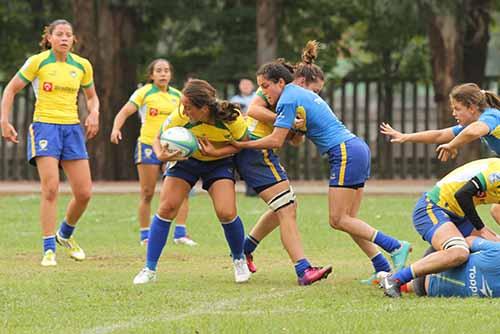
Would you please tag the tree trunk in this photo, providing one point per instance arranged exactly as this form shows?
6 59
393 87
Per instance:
267 30
105 33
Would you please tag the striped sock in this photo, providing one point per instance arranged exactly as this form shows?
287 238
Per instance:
250 244
386 242
380 263
301 266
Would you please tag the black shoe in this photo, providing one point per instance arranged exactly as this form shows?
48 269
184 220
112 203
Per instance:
392 287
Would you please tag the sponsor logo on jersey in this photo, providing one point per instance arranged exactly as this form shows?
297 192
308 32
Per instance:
72 74
485 290
153 112
48 87
494 177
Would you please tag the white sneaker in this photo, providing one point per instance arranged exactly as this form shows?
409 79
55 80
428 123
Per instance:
145 276
144 242
185 241
49 258
241 272
74 250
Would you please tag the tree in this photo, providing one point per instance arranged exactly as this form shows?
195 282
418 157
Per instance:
458 33
267 30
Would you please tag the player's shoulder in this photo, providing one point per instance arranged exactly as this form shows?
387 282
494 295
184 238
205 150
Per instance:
79 61
174 92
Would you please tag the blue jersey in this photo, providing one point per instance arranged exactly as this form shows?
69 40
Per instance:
491 117
479 276
321 124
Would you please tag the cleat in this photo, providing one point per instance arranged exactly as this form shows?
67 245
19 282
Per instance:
375 278
250 263
145 276
75 251
313 274
144 242
49 259
400 255
241 272
392 287
185 241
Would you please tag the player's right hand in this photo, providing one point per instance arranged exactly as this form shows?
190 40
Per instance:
396 136
9 132
166 155
116 136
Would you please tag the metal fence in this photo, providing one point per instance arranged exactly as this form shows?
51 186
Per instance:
362 105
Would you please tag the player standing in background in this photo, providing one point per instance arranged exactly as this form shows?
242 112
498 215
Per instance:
478 116
55 137
154 101
262 171
446 215
214 123
349 159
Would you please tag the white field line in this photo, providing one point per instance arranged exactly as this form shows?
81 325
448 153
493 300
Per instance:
206 308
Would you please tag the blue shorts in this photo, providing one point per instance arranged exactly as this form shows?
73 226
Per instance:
349 164
191 170
428 217
144 154
259 168
61 141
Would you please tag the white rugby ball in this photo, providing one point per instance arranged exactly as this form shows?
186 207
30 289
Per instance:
179 139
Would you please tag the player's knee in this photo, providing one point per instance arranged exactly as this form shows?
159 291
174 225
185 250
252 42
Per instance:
284 199
226 214
83 196
50 191
167 210
147 194
457 250
336 221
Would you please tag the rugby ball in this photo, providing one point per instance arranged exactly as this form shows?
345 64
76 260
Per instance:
179 139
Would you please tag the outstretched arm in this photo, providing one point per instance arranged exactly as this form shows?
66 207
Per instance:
427 137
470 133
275 140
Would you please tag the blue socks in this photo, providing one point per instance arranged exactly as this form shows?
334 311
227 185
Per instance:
380 263
250 244
158 233
387 243
49 243
66 230
301 266
144 233
235 235
404 275
180 231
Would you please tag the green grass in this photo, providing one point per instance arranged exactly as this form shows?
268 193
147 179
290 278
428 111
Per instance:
195 292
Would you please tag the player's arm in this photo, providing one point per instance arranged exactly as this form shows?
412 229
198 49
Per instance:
163 154
258 109
125 112
275 140
426 137
470 133
208 149
464 197
92 121
15 85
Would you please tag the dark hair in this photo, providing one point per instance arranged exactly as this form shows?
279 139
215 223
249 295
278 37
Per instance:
306 68
151 67
200 93
469 94
47 30
276 70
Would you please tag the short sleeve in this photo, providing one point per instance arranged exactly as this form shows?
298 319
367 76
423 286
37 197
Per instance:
456 129
285 116
238 128
29 70
137 98
88 75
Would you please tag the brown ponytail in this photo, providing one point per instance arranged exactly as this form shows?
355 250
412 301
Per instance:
469 94
307 69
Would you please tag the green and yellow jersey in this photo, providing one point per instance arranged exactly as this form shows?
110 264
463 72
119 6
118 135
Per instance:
56 85
260 129
154 106
219 134
488 173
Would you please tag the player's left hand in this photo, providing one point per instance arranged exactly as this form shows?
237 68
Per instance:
446 151
92 125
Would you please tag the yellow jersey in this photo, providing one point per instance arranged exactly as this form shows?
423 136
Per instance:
56 85
260 129
154 106
219 134
488 173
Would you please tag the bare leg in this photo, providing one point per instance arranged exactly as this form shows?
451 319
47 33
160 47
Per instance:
148 175
78 173
49 183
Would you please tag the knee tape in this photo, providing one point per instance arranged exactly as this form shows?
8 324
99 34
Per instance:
455 242
282 199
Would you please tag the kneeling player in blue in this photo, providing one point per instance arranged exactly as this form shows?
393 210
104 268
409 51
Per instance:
349 159
446 215
217 122
478 277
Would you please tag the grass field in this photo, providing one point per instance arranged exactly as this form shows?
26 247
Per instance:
195 292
